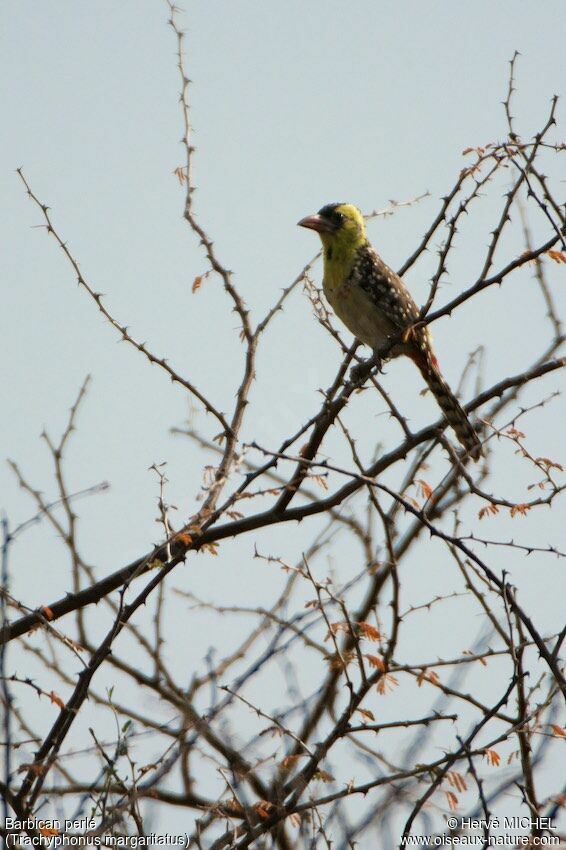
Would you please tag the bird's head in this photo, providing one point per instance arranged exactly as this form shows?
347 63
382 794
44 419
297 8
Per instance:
339 226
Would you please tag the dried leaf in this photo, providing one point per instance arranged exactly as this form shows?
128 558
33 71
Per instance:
48 831
488 509
340 662
513 432
493 757
456 780
56 699
197 283
424 488
465 172
366 714
183 539
387 682
549 464
369 631
452 800
520 509
376 661
427 676
557 256
558 731
290 761
341 626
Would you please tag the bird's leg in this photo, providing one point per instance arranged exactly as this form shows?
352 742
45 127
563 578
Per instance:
360 371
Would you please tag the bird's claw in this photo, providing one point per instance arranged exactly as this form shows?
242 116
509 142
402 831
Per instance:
360 371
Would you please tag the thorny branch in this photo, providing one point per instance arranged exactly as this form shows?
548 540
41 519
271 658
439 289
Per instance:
295 695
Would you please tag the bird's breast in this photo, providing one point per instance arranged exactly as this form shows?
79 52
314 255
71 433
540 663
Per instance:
359 313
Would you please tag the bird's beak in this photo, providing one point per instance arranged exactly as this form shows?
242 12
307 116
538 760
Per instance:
316 222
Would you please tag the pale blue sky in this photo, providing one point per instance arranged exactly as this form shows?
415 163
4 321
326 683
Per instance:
294 104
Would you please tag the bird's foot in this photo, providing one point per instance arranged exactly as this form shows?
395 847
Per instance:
362 370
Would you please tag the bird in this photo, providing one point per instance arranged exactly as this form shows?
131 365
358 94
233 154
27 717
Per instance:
376 306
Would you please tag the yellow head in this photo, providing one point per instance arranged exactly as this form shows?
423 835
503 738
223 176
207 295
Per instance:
342 231
341 228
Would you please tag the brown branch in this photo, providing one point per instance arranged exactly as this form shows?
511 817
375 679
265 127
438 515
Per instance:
122 329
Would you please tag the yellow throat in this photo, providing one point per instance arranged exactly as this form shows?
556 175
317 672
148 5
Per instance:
341 247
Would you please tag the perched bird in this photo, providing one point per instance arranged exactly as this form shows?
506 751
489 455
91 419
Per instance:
376 306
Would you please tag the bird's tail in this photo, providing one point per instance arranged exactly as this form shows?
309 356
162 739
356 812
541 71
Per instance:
448 403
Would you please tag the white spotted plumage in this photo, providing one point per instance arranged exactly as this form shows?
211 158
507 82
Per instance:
376 306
